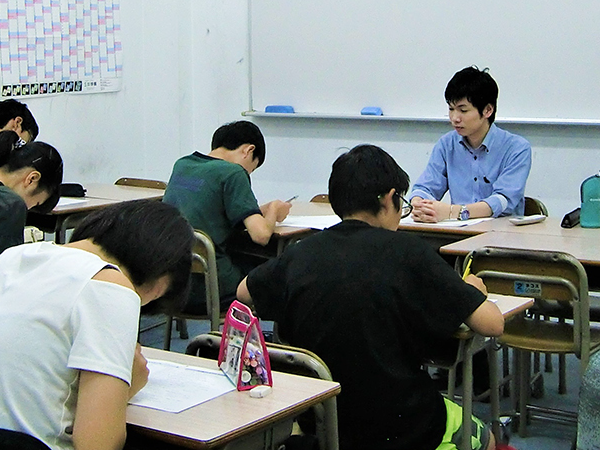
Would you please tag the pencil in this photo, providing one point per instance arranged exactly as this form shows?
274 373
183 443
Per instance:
467 269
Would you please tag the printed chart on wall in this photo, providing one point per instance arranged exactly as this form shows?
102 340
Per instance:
50 47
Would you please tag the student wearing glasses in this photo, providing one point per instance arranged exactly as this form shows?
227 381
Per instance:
375 303
30 178
483 167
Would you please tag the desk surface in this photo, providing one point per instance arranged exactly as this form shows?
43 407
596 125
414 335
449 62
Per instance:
582 247
550 226
101 195
122 193
229 416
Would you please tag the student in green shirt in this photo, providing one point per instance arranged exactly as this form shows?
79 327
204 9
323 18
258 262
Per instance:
213 192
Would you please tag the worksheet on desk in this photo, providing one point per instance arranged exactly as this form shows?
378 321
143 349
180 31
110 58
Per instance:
176 387
451 223
315 222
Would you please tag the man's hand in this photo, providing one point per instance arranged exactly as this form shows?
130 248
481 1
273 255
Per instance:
430 211
476 282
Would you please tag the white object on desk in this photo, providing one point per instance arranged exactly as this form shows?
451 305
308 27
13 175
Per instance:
526 220
176 387
451 223
315 222
64 201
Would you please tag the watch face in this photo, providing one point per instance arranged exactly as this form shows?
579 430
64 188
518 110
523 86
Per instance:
464 214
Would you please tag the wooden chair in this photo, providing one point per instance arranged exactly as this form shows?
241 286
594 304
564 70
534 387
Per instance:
552 278
141 182
204 262
320 198
288 359
535 206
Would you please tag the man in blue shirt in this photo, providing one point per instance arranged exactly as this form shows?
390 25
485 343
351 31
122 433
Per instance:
484 167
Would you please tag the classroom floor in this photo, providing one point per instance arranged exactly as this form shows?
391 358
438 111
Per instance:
542 435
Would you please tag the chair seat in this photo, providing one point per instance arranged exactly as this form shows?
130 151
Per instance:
544 336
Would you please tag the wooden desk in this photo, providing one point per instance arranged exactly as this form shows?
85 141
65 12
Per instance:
122 193
98 196
584 247
230 417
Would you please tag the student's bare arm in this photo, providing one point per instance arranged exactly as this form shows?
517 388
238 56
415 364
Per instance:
243 295
100 412
260 227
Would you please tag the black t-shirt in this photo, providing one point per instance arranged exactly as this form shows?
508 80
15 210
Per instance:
373 304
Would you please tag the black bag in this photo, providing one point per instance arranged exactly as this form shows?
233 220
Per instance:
72 190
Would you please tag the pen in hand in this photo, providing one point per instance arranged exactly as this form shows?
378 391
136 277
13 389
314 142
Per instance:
292 199
467 269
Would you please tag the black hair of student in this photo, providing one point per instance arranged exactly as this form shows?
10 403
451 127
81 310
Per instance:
149 239
11 108
38 155
360 176
233 134
477 86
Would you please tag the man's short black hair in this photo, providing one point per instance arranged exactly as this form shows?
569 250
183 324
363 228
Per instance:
477 86
360 176
148 238
234 134
11 108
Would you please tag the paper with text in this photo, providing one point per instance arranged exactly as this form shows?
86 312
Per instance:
176 387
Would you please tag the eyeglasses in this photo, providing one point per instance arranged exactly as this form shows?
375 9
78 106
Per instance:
406 206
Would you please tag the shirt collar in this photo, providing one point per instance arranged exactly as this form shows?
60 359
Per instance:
487 141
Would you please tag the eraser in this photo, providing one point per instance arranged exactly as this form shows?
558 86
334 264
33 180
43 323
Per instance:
260 391
279 109
371 111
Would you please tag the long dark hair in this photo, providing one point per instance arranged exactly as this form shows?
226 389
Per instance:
40 156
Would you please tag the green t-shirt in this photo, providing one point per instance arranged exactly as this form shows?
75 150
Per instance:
215 196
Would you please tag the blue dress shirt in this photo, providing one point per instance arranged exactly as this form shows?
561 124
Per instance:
495 173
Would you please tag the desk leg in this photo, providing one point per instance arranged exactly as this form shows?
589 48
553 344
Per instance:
331 424
494 389
467 395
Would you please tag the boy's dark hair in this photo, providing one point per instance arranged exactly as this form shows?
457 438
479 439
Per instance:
234 134
11 108
148 238
42 157
360 176
477 86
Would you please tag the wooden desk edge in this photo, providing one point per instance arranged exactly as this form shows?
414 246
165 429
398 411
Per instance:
189 442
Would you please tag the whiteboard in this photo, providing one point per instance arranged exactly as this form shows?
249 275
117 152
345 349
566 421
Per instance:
338 56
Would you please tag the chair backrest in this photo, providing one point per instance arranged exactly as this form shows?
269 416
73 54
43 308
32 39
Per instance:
205 262
15 440
535 206
546 276
141 182
320 198
283 358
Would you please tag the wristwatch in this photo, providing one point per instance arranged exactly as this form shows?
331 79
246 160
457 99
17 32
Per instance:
464 213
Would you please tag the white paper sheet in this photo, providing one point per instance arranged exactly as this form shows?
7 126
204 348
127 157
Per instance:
176 387
447 223
64 201
315 222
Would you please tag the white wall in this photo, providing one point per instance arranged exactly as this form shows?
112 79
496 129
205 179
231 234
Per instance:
185 73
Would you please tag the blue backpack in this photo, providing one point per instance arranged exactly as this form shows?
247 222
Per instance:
590 202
